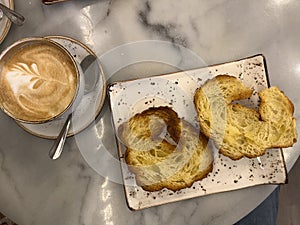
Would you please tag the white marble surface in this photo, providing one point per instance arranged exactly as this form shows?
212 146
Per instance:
81 189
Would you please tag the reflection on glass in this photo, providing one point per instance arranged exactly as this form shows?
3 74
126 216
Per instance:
86 25
281 2
107 211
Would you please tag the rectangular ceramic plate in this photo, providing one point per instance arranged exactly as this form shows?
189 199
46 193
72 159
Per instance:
177 90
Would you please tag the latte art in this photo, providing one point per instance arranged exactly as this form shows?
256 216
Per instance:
40 82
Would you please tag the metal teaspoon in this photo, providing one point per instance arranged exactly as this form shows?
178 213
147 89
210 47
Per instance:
56 149
13 16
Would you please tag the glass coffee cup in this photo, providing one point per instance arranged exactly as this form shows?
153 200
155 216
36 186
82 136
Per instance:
39 81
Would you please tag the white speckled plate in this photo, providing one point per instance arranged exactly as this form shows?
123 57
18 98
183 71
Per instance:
4 22
177 90
90 105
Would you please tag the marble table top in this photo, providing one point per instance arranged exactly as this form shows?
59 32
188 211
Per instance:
81 189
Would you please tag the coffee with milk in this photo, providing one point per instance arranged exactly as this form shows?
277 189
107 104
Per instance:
38 81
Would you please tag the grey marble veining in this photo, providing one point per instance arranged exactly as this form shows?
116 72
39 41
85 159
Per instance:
36 190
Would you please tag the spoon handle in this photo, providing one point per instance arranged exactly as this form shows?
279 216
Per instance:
58 145
13 16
